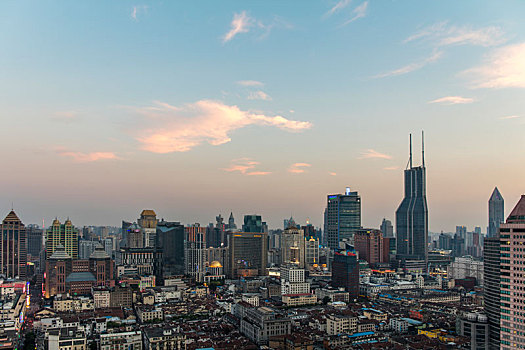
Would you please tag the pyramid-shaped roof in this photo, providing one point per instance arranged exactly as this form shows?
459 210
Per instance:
517 215
12 217
60 253
496 195
99 253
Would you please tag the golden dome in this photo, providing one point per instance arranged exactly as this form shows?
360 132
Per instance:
215 264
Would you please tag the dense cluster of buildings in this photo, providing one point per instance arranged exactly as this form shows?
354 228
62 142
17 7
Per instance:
157 284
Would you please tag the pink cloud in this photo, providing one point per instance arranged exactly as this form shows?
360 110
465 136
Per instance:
503 68
245 166
298 168
82 157
370 153
179 129
453 100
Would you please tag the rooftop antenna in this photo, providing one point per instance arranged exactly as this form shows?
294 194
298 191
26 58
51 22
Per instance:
410 151
423 147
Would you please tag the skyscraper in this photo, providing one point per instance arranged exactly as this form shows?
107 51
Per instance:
387 228
170 245
412 214
293 246
195 251
14 253
231 222
371 246
343 217
254 223
65 234
345 272
496 212
148 223
248 254
512 297
35 237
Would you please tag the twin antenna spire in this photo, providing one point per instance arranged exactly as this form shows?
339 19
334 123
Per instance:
422 150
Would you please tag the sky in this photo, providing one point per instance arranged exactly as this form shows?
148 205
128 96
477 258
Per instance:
195 109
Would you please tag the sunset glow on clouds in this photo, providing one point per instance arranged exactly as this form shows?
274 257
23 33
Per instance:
179 129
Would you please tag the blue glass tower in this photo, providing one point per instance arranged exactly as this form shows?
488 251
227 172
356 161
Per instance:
412 214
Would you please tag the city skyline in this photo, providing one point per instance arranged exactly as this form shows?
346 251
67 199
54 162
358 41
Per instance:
260 110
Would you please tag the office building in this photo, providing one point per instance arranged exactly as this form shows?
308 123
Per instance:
86 248
342 217
248 254
293 246
496 212
170 247
292 280
254 224
14 250
445 242
512 277
148 223
412 214
121 340
345 272
258 324
35 240
387 228
371 246
476 328
58 267
491 287
195 251
463 267
311 252
65 234
102 267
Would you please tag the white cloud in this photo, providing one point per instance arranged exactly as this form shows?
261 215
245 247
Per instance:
441 34
298 168
412 66
453 100
241 23
178 129
245 166
358 12
337 7
136 10
250 83
510 117
504 67
259 95
370 153
82 157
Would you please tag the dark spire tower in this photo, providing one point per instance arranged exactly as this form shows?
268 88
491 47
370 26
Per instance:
496 212
412 214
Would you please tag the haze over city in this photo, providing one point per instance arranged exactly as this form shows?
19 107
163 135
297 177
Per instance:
199 109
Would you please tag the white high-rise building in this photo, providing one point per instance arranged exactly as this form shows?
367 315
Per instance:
292 280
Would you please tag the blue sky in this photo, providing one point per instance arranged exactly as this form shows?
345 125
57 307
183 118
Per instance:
199 108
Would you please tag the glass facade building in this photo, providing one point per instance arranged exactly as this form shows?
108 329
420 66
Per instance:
343 217
412 216
496 212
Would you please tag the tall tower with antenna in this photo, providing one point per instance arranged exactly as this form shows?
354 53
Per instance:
412 216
